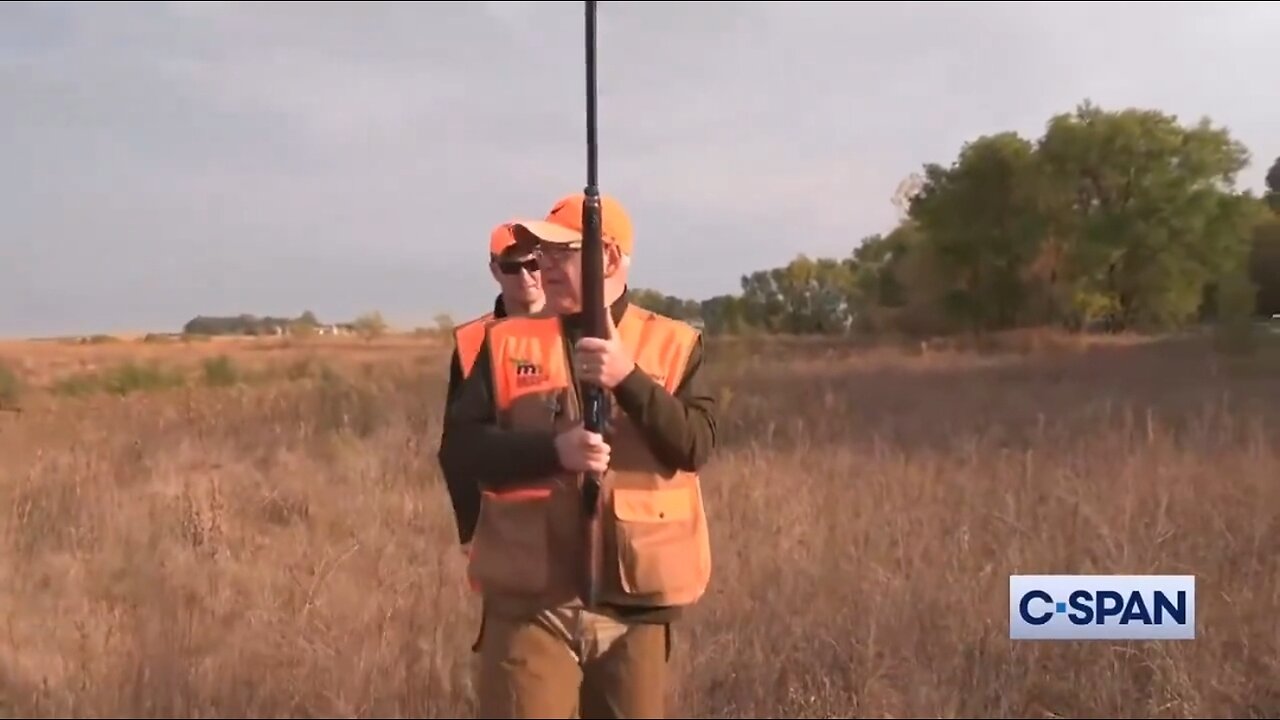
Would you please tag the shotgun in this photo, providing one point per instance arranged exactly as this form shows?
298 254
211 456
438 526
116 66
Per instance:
594 399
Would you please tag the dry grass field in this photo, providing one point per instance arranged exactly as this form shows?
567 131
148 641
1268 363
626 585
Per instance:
258 529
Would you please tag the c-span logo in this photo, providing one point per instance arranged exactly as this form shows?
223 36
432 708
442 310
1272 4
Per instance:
1102 607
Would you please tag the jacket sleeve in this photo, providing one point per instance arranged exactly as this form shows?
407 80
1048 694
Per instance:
455 378
680 428
474 444
464 495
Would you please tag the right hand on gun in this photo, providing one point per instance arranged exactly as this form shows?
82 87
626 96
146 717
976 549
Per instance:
582 451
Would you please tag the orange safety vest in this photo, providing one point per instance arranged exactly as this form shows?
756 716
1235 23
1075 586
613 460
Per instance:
467 337
529 550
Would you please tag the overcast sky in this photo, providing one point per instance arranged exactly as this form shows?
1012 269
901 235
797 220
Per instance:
163 160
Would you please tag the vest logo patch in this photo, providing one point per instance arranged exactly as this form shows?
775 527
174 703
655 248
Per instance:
528 373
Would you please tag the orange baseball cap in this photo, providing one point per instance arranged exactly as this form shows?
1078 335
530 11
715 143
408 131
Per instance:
501 238
563 225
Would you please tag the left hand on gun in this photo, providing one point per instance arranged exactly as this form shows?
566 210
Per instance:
604 362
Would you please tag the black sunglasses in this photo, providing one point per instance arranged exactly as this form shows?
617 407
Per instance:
513 267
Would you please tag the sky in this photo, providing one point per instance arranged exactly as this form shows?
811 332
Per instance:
164 160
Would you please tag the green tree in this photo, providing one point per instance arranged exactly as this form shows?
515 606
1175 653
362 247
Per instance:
1145 209
764 307
807 296
982 219
370 325
723 315
874 263
1273 186
664 304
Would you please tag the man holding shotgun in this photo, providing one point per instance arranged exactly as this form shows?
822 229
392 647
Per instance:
542 551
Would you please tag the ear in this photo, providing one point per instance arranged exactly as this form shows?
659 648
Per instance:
612 260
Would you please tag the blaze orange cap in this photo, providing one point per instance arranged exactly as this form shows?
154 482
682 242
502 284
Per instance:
563 225
501 238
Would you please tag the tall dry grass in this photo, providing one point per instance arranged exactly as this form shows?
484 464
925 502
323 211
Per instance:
252 543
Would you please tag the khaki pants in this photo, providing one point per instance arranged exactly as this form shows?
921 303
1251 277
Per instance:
570 663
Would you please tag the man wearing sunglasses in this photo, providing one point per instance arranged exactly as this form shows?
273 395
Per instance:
515 268
515 429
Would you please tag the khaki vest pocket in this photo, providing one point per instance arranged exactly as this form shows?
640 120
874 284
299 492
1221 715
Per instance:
510 551
657 533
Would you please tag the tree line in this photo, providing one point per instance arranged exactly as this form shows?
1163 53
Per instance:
368 324
247 324
1109 221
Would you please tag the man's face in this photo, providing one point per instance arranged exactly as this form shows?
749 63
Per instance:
562 274
517 273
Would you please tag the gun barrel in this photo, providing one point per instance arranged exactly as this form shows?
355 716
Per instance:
593 398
